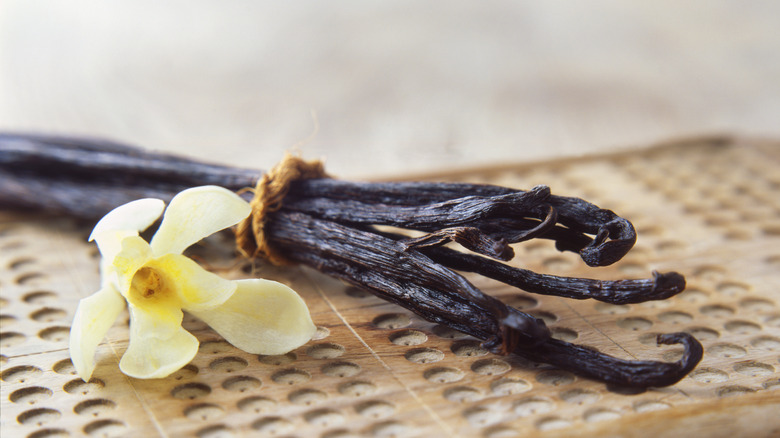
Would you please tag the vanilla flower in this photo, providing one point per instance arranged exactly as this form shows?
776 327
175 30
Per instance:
157 282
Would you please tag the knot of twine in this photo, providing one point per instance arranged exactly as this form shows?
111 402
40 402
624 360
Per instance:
269 195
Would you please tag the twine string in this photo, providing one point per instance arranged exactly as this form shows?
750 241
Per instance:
269 196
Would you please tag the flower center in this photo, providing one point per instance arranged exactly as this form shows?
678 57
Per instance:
147 283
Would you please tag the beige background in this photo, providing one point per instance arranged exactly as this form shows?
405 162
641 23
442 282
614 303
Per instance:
396 87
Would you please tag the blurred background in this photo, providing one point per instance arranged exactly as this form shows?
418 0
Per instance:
390 88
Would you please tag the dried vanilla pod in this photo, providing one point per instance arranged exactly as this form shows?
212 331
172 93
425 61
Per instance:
330 225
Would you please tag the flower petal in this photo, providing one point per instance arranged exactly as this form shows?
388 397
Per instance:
195 287
262 317
197 213
155 321
95 314
149 356
125 220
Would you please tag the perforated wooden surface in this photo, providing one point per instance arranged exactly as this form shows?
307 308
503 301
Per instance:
708 209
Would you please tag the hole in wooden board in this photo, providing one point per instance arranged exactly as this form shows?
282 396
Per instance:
40 297
600 414
256 404
215 347
79 386
341 433
552 423
216 431
357 388
20 262
204 412
392 321
408 337
291 376
341 369
30 395
49 433
94 407
424 355
30 278
518 301
634 323
64 367
675 317
273 425
564 334
307 396
693 295
241 383
727 351
11 339
480 416
48 314
555 377
21 374
703 333
443 374
755 304
321 333
708 375
490 367
6 320
324 417
462 394
228 364
55 334
278 359
191 391
580 396
742 327
509 385
754 369
448 333
325 351
716 310
186 372
468 348
105 428
500 431
734 391
650 406
612 309
38 417
766 343
732 288
389 429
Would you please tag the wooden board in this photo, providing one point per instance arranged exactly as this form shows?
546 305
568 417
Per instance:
709 209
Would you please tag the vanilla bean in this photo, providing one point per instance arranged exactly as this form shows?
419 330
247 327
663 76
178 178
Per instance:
590 363
661 286
87 178
329 225
429 217
615 236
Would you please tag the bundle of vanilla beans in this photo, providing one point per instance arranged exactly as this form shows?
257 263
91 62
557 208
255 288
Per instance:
331 225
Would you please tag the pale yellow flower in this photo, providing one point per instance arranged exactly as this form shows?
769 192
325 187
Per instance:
157 282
